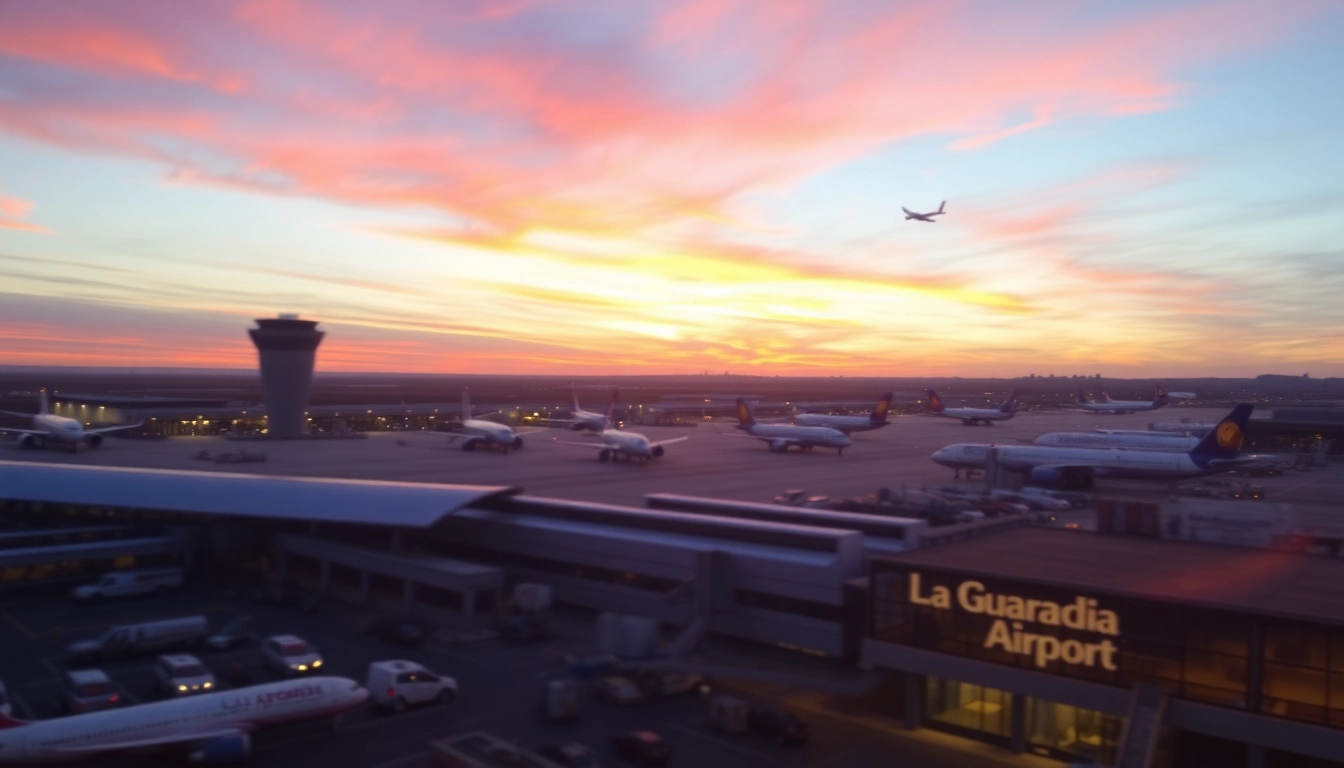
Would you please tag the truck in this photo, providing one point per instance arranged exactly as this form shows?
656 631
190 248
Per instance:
137 639
157 581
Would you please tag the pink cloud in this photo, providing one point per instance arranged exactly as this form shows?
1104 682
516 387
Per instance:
13 211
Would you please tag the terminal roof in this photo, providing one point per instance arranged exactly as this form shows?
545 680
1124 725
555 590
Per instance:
1258 581
376 502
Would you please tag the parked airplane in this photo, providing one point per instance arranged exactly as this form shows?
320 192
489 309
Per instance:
780 436
1182 395
849 424
209 727
483 432
617 443
1077 467
1123 406
969 416
909 214
1181 427
51 429
1151 441
589 420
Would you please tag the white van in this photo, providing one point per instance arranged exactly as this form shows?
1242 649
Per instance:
133 639
131 583
396 684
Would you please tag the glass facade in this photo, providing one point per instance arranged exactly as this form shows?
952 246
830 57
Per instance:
1198 654
1066 733
967 707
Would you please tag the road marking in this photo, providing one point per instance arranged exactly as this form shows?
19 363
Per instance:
403 760
23 629
748 751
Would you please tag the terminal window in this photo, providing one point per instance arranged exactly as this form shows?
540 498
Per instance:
1066 732
967 707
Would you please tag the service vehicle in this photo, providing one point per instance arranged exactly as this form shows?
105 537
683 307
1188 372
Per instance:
397 684
619 690
134 639
182 675
158 581
234 633
290 655
87 690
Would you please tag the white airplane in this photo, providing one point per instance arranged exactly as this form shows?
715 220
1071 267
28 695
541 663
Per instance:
1077 467
51 429
969 416
617 443
1181 427
780 436
586 420
210 727
1182 395
483 432
909 214
1118 407
1150 441
849 424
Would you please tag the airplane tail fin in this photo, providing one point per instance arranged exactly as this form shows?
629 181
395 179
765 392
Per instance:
9 722
1082 399
575 394
611 410
744 418
1160 395
1224 440
466 403
940 206
1010 405
45 406
879 414
935 402
1106 396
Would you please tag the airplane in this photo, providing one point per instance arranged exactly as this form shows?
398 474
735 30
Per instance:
1152 441
1077 467
909 214
51 429
210 727
780 436
617 443
1181 427
484 433
586 420
1118 407
1182 395
969 416
849 424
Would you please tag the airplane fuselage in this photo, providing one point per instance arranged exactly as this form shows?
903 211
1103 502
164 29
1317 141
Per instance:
629 443
202 719
781 436
846 424
491 433
1141 441
969 416
1101 462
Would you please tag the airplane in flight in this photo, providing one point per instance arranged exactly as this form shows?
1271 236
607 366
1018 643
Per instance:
969 416
49 429
616 443
210 727
780 436
1118 407
483 433
849 424
1077 467
909 214
1150 441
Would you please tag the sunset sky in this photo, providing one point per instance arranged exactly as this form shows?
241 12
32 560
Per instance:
1133 189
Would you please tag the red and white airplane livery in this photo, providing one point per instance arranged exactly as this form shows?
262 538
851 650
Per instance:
210 728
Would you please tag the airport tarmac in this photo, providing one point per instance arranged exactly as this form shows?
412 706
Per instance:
714 462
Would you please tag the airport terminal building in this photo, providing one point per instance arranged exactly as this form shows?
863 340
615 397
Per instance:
1079 646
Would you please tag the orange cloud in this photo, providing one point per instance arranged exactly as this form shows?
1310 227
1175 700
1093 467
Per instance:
13 211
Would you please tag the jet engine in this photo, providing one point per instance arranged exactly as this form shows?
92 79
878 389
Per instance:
224 750
30 441
604 455
517 442
1078 478
657 451
93 440
779 446
469 444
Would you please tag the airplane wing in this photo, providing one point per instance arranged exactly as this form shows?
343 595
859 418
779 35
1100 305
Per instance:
20 415
788 440
585 445
184 737
105 430
668 442
17 431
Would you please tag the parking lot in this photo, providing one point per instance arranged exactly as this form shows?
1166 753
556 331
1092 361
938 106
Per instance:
499 681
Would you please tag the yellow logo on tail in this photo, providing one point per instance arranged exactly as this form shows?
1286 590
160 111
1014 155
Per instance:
882 408
935 402
1229 436
742 413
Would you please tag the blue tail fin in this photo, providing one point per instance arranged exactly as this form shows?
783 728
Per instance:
879 414
1224 440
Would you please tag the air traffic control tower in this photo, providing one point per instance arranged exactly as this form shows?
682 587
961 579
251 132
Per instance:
287 348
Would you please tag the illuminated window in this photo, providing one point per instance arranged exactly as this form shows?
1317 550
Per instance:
968 707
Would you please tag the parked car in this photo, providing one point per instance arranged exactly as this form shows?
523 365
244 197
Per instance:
87 690
399 631
158 581
182 675
568 755
234 633
397 684
6 708
132 639
640 748
728 714
559 701
659 684
778 726
290 655
619 690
